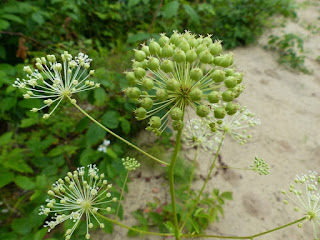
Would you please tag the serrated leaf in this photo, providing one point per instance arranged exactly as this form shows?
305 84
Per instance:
11 17
138 37
170 9
5 138
15 160
100 96
95 134
27 122
194 17
38 18
227 195
125 126
25 182
4 24
6 177
110 119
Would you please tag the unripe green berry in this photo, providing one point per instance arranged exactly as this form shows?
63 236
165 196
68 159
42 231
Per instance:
173 85
140 113
201 48
133 92
228 96
176 113
131 78
139 55
147 84
153 63
238 76
207 40
146 50
218 76
214 97
155 122
154 47
229 72
180 39
174 38
219 113
191 56
203 110
161 94
196 94
137 64
139 72
167 66
184 46
205 57
179 56
226 60
231 108
193 42
215 48
163 40
167 51
230 82
238 90
146 103
177 125
196 74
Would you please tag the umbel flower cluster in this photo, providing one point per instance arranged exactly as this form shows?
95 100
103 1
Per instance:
130 163
83 192
53 81
304 196
183 70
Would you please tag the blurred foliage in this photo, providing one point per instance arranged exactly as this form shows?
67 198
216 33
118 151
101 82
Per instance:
36 152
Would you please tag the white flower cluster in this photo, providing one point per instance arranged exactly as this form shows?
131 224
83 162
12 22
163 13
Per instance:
304 196
103 147
53 81
80 193
130 163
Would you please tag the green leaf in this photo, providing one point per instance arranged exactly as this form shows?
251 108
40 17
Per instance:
227 195
125 125
6 177
55 151
11 17
20 226
40 234
95 134
5 138
194 17
138 37
132 3
24 182
132 233
170 9
8 236
37 17
15 160
27 122
100 96
4 24
111 119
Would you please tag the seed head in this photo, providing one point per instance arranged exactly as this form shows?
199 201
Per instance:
130 163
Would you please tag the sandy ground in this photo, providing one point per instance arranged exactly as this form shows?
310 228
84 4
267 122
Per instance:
287 103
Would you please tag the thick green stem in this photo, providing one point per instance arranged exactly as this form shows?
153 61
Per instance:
171 180
133 229
246 237
117 136
204 184
122 190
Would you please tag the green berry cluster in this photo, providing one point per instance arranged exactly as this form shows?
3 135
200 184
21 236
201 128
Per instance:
130 163
260 166
179 71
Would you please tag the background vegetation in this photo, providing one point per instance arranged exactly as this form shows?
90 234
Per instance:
35 152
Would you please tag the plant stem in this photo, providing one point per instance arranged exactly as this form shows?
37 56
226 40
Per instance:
117 136
133 229
236 168
204 184
246 237
122 190
171 180
192 172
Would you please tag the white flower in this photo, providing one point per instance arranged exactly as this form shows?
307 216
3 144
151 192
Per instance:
130 163
53 81
80 193
103 147
197 133
235 125
305 198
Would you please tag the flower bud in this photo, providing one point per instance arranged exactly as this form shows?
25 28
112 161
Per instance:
139 72
218 76
172 85
228 96
39 66
176 113
146 103
201 48
147 83
177 125
155 122
230 82
145 49
27 69
179 56
196 94
191 56
153 63
167 51
231 108
214 97
215 48
163 40
133 92
167 66
203 110
140 113
139 55
184 46
161 94
196 74
219 113
154 47
205 57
